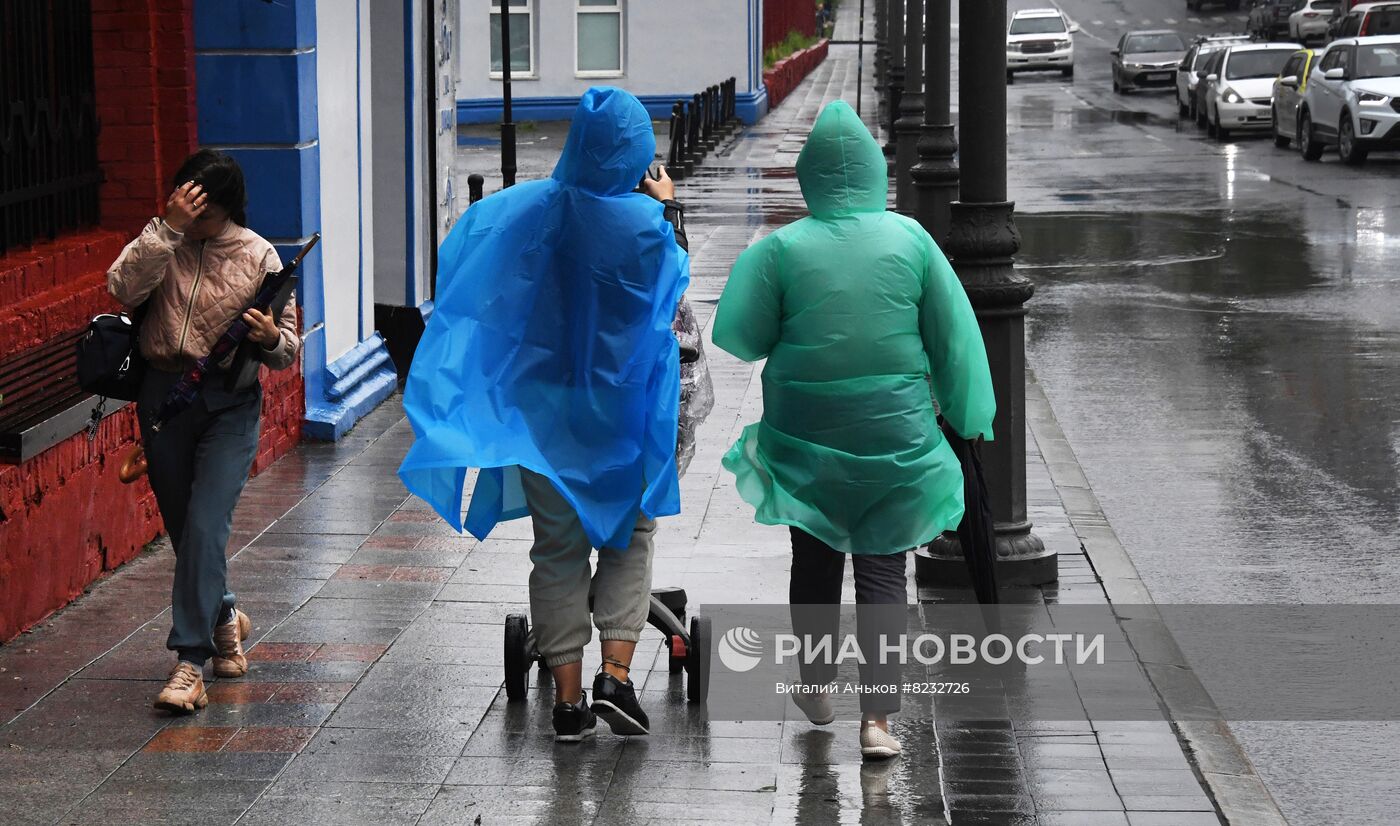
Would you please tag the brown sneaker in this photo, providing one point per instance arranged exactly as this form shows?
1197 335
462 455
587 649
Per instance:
228 638
184 692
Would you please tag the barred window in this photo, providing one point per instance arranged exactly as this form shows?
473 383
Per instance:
49 175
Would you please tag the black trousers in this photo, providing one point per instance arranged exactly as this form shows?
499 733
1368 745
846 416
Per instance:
817 573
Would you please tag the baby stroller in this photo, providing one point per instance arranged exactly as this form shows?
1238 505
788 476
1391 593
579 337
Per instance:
689 649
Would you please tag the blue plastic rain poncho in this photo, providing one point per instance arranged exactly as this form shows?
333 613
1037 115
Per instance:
550 347
854 307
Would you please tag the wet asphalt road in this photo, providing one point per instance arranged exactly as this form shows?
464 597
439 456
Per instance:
1217 326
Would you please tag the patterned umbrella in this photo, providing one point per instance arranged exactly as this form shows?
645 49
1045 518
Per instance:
187 389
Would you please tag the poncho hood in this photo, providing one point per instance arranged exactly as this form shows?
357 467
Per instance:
610 143
841 168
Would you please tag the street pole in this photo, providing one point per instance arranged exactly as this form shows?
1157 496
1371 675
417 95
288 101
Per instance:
895 74
882 56
911 107
860 56
507 126
982 243
935 176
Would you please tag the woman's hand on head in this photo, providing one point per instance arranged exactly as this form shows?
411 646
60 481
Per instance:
262 328
662 188
186 204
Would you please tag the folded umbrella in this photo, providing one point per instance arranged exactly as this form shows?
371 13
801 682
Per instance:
976 532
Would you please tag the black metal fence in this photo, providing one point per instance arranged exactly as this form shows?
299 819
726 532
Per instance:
49 175
697 126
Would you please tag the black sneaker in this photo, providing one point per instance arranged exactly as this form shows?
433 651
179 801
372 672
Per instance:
616 702
574 721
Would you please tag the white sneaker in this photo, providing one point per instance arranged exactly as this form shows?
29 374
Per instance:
877 744
817 707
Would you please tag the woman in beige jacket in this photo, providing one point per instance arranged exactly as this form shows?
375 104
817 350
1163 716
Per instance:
195 271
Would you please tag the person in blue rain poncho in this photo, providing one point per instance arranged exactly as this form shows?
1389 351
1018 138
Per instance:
549 364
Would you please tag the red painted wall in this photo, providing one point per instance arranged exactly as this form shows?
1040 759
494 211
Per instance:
65 518
784 76
783 16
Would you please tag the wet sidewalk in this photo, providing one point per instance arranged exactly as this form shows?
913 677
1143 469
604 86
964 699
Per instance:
375 689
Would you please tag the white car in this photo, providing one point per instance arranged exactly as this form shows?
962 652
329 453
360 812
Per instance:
1240 93
1309 21
1352 99
1038 40
1186 71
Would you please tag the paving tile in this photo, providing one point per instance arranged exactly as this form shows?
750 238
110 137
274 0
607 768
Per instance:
536 771
447 743
282 652
370 768
257 714
348 652
270 739
240 691
310 692
191 738
1173 819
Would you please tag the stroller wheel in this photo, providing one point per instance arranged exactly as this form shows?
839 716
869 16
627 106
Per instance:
677 655
518 657
697 661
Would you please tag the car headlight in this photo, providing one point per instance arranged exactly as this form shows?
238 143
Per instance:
1133 67
1013 47
1231 96
1372 99
1063 44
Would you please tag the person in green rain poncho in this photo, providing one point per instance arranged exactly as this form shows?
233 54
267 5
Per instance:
858 313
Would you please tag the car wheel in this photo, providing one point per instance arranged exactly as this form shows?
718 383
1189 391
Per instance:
1308 145
1182 110
1221 133
1010 76
1280 140
1068 72
1349 149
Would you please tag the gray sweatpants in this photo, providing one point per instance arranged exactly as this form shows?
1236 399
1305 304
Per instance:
561 579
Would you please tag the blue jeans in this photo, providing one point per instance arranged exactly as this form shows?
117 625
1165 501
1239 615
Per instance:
198 464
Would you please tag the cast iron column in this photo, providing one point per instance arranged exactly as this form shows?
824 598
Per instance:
911 107
895 74
982 243
882 57
935 176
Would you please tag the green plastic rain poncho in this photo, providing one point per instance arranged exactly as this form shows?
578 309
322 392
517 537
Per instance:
856 310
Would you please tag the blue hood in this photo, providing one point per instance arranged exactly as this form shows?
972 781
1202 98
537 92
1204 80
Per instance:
610 144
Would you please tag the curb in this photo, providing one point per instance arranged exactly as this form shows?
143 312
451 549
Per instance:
1218 759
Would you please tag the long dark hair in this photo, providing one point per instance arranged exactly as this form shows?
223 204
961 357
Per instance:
222 179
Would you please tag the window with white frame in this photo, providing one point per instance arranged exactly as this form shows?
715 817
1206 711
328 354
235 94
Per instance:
598 45
522 38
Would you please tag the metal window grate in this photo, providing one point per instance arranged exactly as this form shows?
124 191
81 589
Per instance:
49 175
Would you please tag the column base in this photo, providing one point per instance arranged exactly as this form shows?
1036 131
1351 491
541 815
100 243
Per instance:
1022 560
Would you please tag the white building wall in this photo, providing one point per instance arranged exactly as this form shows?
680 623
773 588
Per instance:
669 46
346 193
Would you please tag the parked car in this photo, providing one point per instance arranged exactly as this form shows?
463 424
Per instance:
1211 66
1268 19
1197 5
1367 20
1194 60
1239 92
1310 19
1352 99
1289 87
1146 59
1039 39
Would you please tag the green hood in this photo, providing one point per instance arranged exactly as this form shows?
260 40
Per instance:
842 169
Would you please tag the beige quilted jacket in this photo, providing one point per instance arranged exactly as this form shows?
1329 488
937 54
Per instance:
197 289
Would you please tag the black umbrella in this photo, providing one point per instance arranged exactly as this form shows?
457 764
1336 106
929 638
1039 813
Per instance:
976 533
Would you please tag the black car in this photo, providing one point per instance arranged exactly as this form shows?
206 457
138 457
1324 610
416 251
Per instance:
1147 60
1268 19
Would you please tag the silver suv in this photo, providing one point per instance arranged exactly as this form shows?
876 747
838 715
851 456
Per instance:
1352 99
